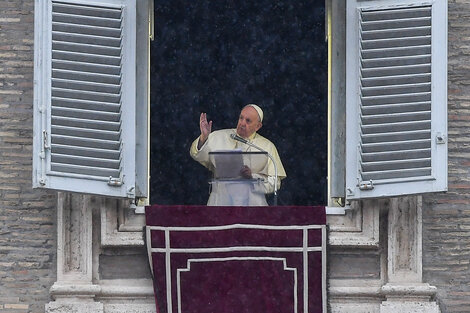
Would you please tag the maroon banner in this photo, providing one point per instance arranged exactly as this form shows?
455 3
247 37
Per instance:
237 259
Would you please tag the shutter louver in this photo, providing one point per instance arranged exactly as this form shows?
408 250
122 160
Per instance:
86 90
396 98
90 106
395 65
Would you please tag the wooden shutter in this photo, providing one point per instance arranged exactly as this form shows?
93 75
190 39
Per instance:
85 96
396 98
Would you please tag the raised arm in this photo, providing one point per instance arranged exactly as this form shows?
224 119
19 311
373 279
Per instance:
206 128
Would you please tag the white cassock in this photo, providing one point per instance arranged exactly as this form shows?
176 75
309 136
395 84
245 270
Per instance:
236 193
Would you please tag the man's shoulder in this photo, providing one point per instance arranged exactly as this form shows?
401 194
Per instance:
262 139
222 132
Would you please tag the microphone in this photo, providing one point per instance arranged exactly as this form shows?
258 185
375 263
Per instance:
238 138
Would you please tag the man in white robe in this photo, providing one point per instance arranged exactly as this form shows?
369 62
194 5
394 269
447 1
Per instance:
259 179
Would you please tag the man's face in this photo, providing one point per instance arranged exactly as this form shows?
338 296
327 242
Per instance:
248 122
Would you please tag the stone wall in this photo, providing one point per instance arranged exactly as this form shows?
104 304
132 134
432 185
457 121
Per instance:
27 217
446 217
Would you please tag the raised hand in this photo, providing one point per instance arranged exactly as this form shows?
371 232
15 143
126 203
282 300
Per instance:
206 128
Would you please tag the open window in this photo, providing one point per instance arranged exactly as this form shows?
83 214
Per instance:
390 93
91 97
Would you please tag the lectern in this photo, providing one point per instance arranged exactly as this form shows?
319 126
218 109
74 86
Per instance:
228 187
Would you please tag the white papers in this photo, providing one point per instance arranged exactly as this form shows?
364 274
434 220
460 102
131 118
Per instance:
228 163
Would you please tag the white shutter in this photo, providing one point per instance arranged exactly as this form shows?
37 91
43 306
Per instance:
396 98
85 96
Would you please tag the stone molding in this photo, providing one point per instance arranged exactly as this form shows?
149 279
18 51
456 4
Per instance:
405 290
74 238
355 296
130 308
74 307
78 288
404 240
359 227
400 288
74 290
120 227
409 307
131 288
416 291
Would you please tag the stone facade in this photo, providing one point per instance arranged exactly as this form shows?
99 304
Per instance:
68 253
363 276
87 228
27 217
446 234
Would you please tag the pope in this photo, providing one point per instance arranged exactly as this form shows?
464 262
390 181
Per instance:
231 193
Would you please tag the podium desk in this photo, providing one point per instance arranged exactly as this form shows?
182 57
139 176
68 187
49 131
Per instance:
237 259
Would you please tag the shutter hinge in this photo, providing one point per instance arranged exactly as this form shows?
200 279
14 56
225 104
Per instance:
366 185
45 145
115 182
45 140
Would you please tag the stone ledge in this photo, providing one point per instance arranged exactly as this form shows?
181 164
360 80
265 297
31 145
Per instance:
77 307
97 307
126 291
117 290
360 307
388 290
355 292
130 308
411 290
74 290
409 307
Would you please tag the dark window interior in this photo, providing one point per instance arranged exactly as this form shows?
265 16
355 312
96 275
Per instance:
217 56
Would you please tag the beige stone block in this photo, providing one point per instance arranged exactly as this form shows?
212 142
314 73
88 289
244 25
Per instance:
355 307
76 307
409 307
9 20
9 300
11 92
130 308
16 306
29 264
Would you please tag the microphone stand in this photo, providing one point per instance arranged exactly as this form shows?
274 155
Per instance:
238 138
